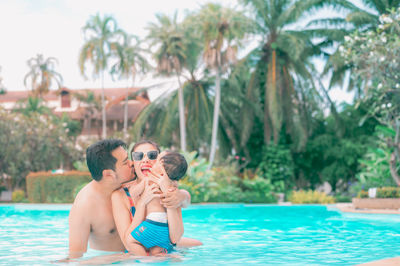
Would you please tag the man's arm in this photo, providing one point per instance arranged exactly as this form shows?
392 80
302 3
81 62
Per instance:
79 230
175 198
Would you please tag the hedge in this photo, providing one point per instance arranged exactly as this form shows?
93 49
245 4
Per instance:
46 187
382 193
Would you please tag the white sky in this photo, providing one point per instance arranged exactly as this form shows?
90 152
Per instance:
54 28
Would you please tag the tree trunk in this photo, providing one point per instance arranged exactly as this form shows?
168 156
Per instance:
103 107
395 155
215 118
126 114
182 125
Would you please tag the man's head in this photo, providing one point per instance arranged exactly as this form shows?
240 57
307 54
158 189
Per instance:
108 155
174 164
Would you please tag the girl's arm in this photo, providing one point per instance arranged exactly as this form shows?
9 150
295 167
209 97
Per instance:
122 214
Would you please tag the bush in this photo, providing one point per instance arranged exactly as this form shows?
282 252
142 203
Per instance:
34 143
258 190
310 196
277 165
342 198
388 192
362 194
221 184
18 195
44 187
383 192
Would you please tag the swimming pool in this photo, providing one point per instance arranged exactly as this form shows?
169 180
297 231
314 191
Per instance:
232 234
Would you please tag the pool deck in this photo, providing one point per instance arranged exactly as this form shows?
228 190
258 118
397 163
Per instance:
384 262
348 207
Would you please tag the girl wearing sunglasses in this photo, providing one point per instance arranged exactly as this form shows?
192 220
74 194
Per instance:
129 209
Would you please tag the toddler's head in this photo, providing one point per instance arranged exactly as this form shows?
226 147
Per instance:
174 164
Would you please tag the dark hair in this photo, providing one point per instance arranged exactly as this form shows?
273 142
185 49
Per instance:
175 165
145 141
99 157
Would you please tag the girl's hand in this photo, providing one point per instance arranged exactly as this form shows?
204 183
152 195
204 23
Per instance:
136 188
149 192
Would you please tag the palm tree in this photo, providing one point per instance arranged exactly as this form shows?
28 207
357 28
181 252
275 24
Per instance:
282 67
170 56
102 36
32 105
197 95
131 61
42 74
222 29
93 105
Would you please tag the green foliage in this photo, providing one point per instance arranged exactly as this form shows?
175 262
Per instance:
343 198
221 184
375 56
277 165
332 154
362 194
388 192
257 190
310 196
18 195
44 187
33 143
81 166
382 192
374 165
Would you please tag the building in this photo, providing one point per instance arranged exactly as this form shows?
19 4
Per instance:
84 105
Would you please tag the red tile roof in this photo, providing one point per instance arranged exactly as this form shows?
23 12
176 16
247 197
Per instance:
110 94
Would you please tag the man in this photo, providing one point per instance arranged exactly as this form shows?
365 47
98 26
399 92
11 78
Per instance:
91 219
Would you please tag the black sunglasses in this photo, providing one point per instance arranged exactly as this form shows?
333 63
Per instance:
138 155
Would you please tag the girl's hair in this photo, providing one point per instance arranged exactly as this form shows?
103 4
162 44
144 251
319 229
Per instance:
145 141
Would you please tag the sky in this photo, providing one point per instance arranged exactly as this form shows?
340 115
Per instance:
54 28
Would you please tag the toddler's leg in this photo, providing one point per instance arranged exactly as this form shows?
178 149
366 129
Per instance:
158 251
134 247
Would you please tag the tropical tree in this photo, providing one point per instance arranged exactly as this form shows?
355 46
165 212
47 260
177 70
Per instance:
283 70
130 62
42 74
197 96
359 18
222 29
92 104
170 57
102 37
376 58
31 105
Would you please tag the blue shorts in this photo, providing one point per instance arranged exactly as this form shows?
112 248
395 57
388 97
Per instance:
153 234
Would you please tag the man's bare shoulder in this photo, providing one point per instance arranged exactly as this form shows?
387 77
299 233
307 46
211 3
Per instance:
85 198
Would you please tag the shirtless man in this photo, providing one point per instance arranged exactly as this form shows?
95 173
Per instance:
91 218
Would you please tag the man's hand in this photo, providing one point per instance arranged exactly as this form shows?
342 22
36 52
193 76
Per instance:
175 198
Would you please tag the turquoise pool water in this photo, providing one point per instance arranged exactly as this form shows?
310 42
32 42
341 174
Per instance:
232 234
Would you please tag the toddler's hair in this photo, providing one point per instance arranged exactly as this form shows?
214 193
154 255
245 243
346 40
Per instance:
175 165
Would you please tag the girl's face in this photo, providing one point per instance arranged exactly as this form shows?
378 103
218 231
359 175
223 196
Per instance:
143 166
